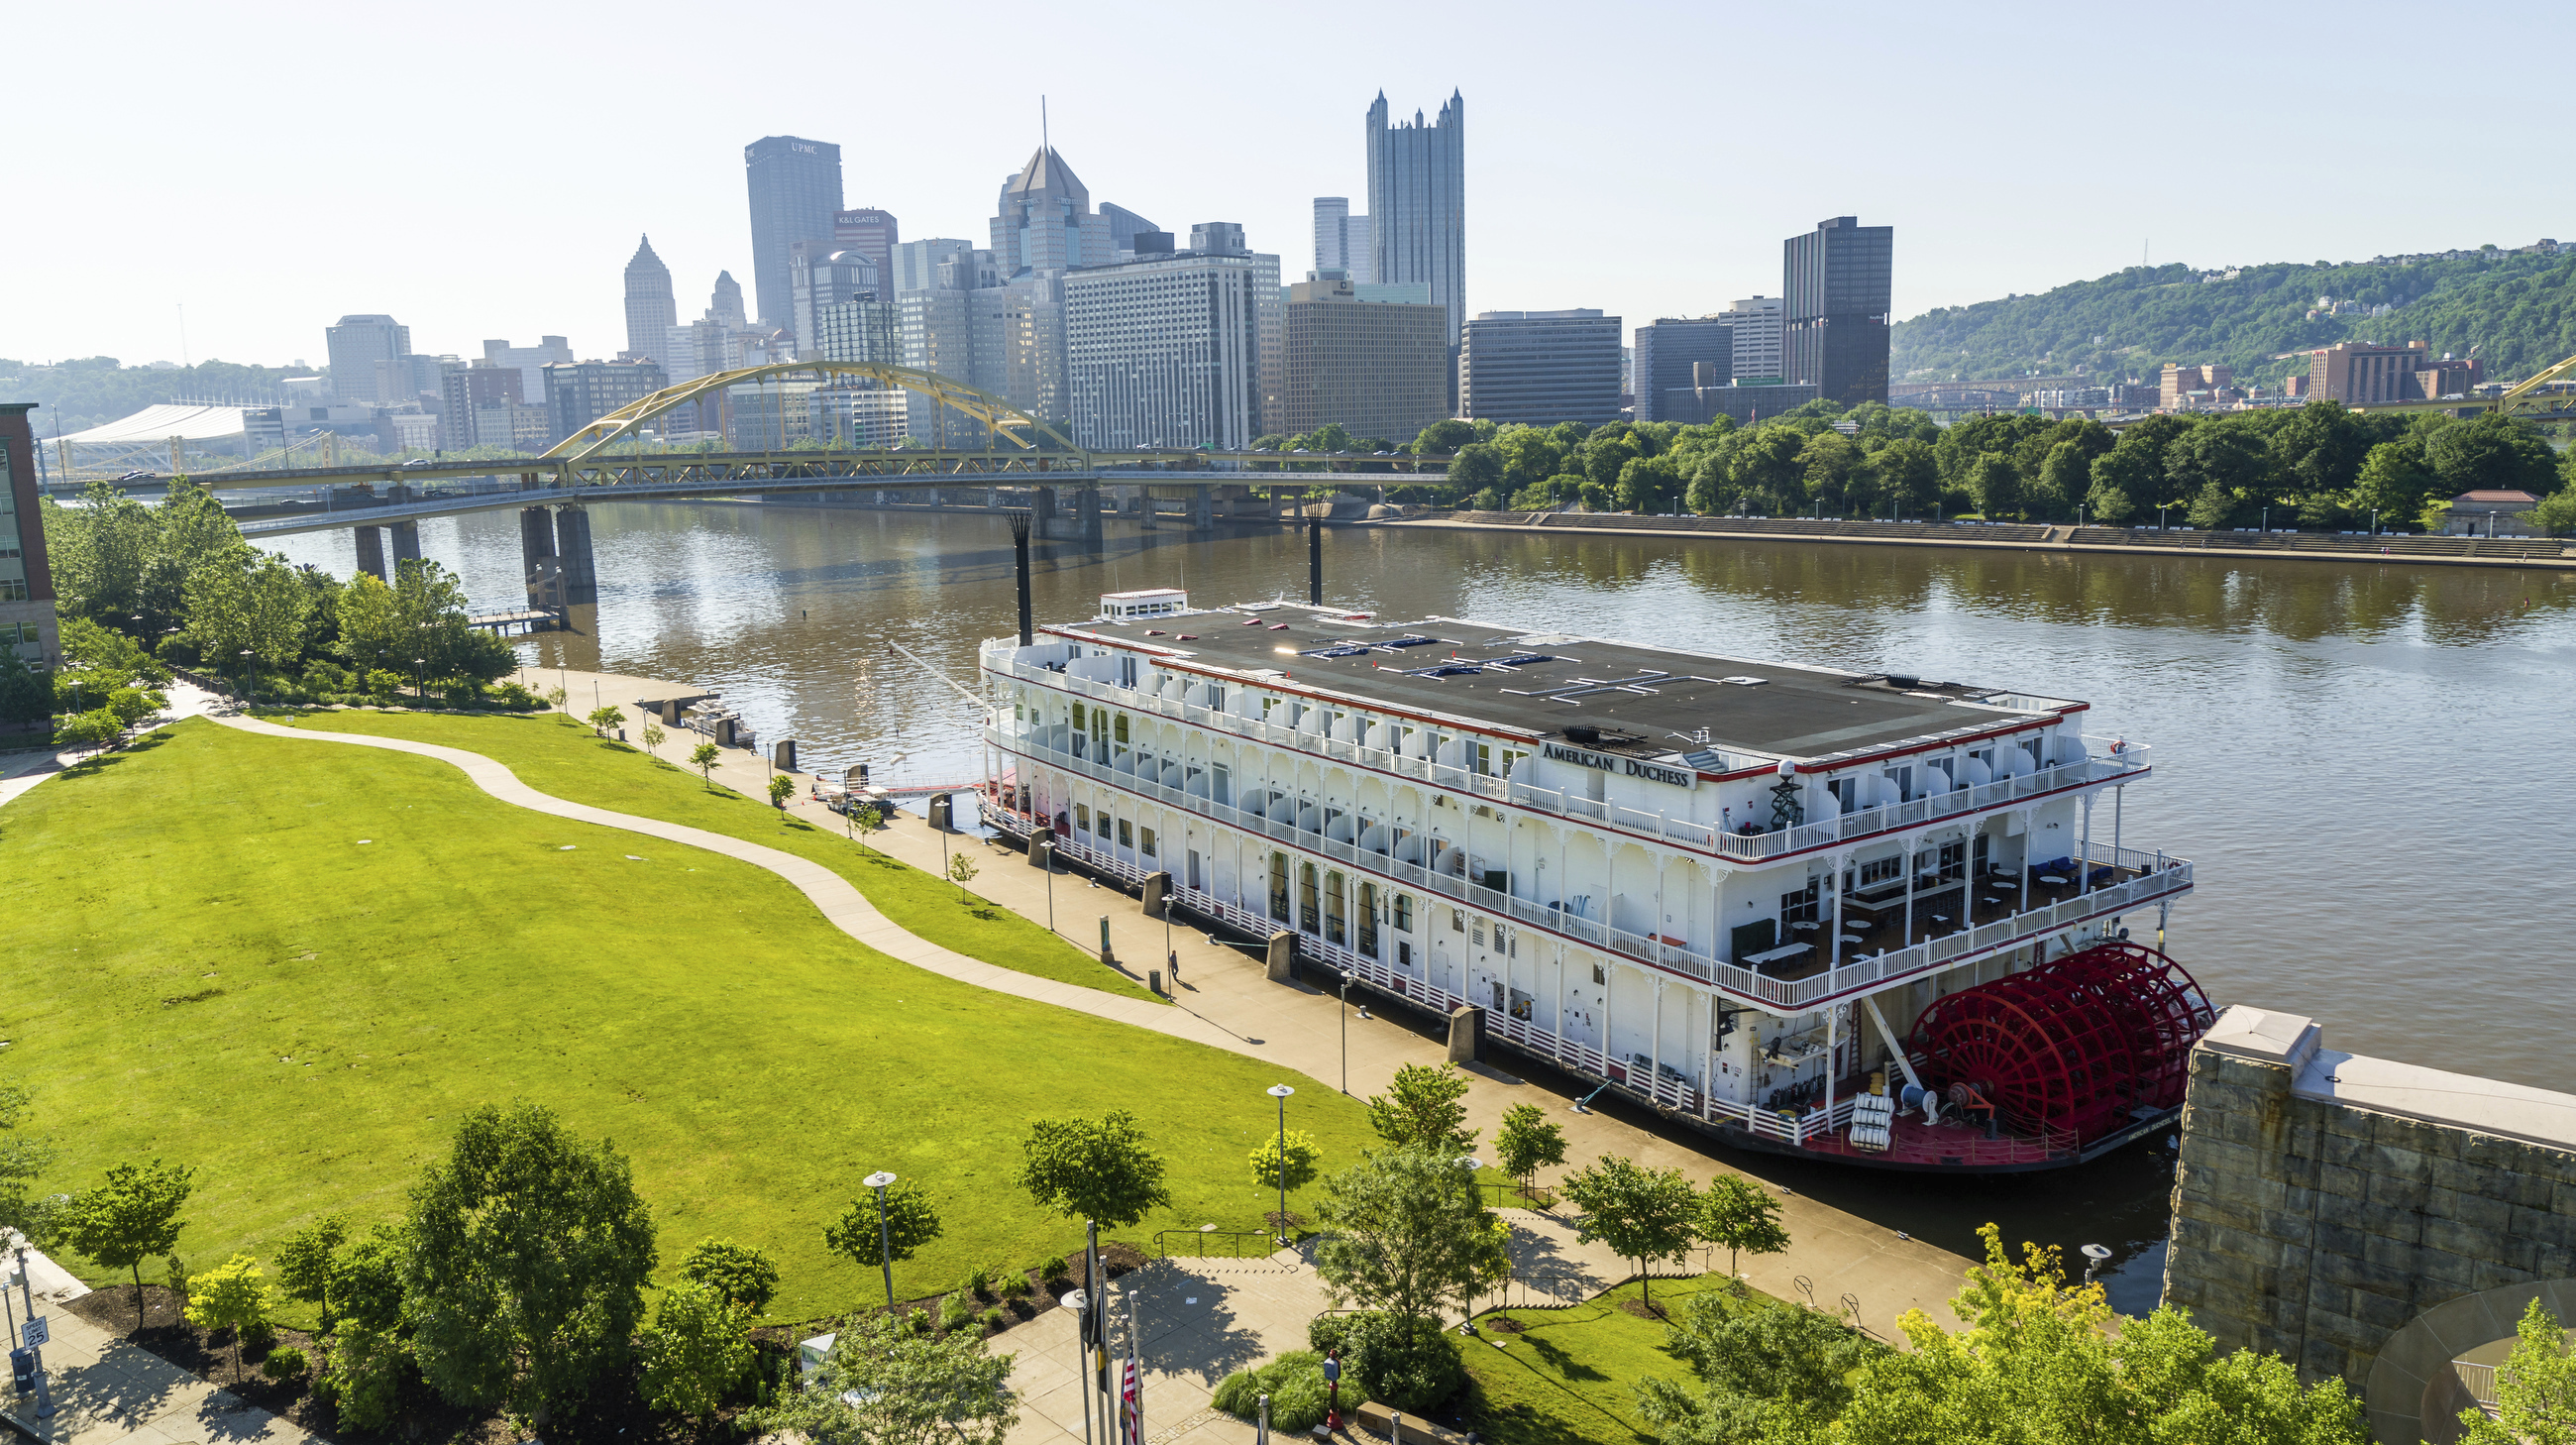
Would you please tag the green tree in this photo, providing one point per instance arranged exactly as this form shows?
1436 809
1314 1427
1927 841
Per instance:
1287 1170
1409 1233
1827 464
1765 1373
2535 1388
529 1256
739 1272
2119 481
703 757
26 696
236 1297
2066 477
1996 485
1907 474
1444 436
961 871
1093 1169
1649 485
304 1261
1642 1214
1765 468
1424 1108
1605 457
243 602
2556 514
781 788
2037 1360
2218 460
699 1348
2492 452
132 1217
2395 482
602 719
1741 1215
1475 468
370 1353
887 1383
653 738
23 1160
910 1222
1526 1143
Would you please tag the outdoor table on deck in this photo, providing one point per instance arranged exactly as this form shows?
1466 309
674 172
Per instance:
1781 954
2053 880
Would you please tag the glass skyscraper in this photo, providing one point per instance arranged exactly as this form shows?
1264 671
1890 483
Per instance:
1417 200
1838 281
795 190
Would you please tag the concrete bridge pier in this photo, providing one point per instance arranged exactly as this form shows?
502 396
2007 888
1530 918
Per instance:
544 570
371 553
406 542
1042 508
572 545
1087 500
1203 510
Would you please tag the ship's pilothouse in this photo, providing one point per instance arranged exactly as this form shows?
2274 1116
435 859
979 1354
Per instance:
1875 916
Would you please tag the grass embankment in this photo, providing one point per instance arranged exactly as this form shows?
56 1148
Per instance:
1570 1376
558 755
294 965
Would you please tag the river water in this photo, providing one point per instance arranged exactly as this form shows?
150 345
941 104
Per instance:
2353 755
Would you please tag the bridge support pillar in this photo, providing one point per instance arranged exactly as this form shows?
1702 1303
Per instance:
406 542
1042 508
572 546
371 553
544 570
1087 500
1203 510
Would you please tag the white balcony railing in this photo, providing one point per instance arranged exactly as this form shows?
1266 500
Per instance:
1699 837
2161 877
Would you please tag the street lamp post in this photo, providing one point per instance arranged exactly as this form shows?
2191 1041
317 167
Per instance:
1077 1301
1471 1164
420 678
1346 1032
2095 1256
1281 1092
885 1236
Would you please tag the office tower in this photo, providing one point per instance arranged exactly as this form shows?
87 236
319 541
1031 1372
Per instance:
651 310
1756 323
869 231
579 393
1836 280
1342 241
28 623
916 263
1666 352
725 305
1045 221
356 345
467 390
1540 367
1165 350
821 281
1380 369
1123 226
531 361
405 380
795 189
1417 197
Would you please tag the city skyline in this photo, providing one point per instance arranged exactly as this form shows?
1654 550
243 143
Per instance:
260 279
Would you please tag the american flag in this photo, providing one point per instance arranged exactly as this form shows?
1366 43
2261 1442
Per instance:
1131 1404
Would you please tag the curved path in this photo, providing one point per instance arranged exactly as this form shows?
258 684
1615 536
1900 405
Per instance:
841 904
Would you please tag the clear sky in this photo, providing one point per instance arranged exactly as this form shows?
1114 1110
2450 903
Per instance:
483 170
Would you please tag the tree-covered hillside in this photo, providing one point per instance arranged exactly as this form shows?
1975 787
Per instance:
2519 310
74 395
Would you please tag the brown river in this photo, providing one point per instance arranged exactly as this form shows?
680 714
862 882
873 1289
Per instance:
2350 753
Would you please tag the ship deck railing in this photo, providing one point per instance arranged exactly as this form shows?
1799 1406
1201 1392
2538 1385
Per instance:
1647 1080
2127 763
2161 877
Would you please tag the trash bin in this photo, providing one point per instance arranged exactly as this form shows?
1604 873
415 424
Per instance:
22 1369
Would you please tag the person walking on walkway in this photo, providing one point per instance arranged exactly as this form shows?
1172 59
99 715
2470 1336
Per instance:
1333 1384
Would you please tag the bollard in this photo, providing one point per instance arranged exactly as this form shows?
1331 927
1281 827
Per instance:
1154 981
942 812
1106 956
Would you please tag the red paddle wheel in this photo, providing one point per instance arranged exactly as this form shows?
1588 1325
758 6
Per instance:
2073 1045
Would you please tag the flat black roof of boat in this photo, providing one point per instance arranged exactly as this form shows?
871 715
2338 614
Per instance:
1630 699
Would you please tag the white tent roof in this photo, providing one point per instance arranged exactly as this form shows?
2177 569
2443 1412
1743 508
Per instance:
162 422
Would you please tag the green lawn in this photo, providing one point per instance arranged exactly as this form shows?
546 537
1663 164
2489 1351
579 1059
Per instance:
555 754
1570 1377
295 965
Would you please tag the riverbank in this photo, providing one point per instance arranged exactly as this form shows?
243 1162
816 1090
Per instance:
2530 553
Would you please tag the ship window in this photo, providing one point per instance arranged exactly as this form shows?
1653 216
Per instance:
1598 976
1333 909
1799 906
1126 834
1145 841
1082 817
1368 920
1309 916
1078 715
1404 912
1457 920
1879 870
1100 820
1279 887
1122 727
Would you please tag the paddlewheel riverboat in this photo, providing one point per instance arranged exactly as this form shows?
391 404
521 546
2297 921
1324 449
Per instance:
1871 917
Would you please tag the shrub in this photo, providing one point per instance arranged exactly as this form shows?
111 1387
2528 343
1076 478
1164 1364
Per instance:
259 1337
741 1273
918 1321
364 1377
1295 1384
1401 1362
1015 1285
1053 1269
516 698
285 1364
174 1273
461 692
956 1311
980 1283
993 1320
